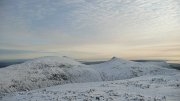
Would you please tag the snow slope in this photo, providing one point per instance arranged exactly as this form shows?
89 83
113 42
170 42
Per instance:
44 72
118 69
50 71
144 88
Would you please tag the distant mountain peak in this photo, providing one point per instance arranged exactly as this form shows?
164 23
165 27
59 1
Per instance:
118 60
114 58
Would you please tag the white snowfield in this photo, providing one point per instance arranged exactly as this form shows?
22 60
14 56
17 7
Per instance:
114 80
144 88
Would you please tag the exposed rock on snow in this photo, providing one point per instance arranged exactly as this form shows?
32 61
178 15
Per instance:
144 88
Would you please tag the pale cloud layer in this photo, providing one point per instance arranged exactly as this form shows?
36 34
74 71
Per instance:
91 29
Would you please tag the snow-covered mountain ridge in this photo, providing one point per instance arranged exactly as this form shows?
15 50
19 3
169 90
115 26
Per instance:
44 72
50 71
118 69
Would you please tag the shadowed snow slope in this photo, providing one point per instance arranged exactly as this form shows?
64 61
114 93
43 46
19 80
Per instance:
117 69
44 72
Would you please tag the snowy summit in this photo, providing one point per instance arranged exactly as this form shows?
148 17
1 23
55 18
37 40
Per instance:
65 79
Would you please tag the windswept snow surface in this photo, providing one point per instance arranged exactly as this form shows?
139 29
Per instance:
137 81
144 88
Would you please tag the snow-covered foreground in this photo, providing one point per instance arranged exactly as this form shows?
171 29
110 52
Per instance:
116 79
145 88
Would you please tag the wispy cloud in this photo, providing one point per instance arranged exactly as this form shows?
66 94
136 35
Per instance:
104 27
10 52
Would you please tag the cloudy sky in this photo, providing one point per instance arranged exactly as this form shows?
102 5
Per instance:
90 29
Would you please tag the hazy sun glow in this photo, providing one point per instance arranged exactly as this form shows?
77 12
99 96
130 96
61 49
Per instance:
90 29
